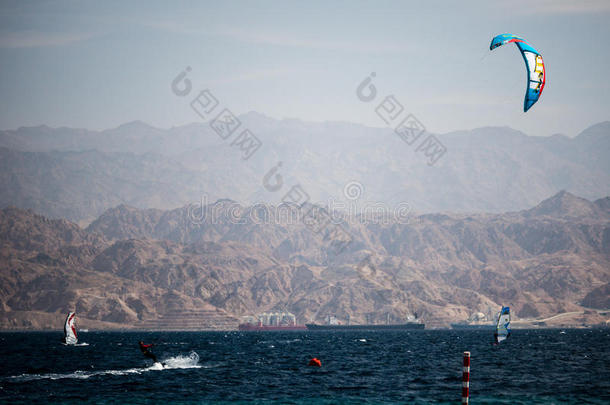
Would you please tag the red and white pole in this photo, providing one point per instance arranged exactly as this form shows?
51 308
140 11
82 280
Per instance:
466 378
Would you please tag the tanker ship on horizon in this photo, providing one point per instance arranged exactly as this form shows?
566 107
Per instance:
333 324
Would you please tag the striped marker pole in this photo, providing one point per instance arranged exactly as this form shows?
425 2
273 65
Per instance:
466 378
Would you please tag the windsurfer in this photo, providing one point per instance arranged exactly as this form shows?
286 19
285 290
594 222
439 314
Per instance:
146 351
70 337
502 331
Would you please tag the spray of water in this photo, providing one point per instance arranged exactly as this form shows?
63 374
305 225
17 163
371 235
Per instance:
189 361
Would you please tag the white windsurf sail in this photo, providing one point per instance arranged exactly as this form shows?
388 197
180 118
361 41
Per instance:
503 325
70 337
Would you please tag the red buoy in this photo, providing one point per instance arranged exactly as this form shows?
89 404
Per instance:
315 362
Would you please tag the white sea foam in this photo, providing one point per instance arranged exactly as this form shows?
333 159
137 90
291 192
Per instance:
190 361
177 362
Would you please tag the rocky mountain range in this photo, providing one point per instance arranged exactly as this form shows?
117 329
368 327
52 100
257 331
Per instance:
78 174
135 267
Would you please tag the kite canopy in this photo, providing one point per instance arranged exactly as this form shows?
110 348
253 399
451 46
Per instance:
533 63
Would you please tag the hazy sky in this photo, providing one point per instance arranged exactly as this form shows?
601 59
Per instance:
100 64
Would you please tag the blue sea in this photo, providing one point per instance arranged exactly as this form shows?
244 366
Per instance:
533 366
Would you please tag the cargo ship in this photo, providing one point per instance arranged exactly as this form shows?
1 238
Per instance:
271 322
398 326
333 324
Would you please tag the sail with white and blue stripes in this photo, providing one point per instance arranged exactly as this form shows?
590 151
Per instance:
503 325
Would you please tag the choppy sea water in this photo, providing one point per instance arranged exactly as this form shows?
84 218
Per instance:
533 366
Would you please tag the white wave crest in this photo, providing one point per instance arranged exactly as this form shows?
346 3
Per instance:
189 361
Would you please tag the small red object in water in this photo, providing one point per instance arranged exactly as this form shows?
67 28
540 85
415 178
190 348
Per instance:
315 362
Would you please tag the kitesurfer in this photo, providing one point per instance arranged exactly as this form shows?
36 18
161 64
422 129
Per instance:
146 351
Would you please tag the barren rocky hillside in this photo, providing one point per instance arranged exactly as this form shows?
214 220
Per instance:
132 267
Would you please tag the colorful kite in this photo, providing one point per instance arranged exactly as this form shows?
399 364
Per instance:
533 63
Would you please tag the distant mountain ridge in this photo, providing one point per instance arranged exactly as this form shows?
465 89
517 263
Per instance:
566 205
78 174
139 266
